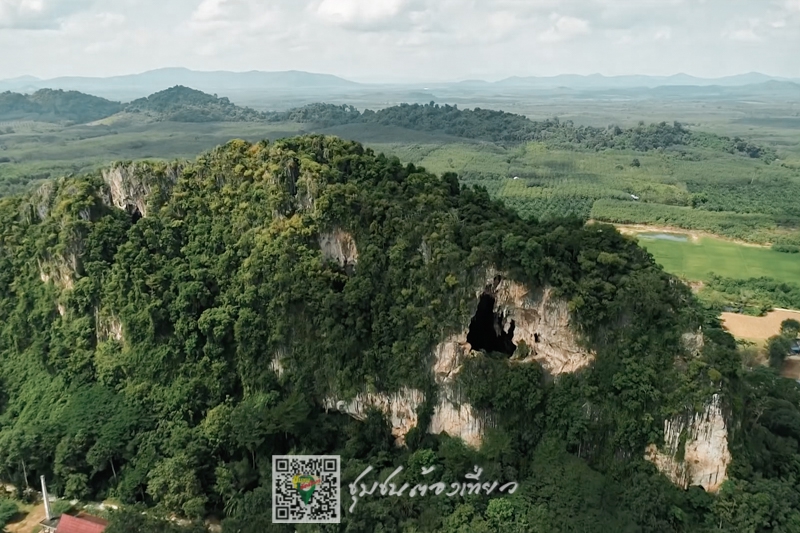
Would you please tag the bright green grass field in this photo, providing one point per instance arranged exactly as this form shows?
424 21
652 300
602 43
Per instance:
698 260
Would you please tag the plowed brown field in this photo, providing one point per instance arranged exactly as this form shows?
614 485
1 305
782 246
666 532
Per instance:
757 327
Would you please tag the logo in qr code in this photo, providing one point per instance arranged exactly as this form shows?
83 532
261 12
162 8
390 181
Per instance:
306 489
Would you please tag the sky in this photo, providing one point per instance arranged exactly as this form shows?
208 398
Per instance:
402 40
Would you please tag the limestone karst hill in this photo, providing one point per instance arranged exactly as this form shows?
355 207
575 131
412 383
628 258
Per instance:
167 328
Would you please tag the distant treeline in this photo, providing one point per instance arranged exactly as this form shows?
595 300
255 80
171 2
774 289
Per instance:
56 105
176 104
753 296
503 127
182 104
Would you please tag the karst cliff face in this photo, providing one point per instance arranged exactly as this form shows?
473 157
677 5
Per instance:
695 450
130 186
538 320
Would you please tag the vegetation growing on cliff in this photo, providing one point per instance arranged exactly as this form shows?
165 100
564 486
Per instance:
182 410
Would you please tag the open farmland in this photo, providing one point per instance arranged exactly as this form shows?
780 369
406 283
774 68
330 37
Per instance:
697 259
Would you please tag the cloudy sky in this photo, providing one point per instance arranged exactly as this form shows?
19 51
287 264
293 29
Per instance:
392 40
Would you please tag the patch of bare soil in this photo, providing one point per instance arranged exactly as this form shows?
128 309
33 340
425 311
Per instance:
696 286
29 522
791 367
757 327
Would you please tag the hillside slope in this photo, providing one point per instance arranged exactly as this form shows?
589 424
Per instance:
48 105
167 328
182 104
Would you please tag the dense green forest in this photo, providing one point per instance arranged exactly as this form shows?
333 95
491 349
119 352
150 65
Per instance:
55 105
177 104
182 104
136 350
752 296
504 127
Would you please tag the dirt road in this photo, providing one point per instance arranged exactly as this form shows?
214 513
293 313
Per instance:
27 524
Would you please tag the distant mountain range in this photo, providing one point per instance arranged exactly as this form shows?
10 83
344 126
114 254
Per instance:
134 86
138 85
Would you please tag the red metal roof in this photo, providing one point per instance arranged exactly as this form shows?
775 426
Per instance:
81 524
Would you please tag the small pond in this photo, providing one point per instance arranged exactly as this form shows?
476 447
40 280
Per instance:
677 237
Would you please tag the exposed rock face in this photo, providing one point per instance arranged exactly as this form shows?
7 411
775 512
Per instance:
127 190
41 202
339 246
276 364
60 270
705 452
693 342
451 415
542 322
540 319
401 408
457 419
130 186
107 327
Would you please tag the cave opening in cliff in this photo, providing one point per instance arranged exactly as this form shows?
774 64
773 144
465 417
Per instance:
486 329
135 214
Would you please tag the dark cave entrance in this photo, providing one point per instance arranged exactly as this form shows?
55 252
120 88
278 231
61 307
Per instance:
486 329
135 214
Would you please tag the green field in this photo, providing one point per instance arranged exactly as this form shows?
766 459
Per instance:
698 260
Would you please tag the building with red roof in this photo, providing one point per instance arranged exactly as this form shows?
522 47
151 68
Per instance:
82 523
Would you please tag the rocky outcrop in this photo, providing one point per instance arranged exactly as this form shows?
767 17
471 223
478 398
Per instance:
339 246
107 326
542 327
540 320
693 342
130 186
457 419
40 203
400 407
276 364
695 450
60 270
451 414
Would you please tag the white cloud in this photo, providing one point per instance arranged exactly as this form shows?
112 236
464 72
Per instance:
363 14
564 29
663 34
419 40
38 14
744 35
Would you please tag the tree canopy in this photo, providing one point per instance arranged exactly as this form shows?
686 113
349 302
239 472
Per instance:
140 346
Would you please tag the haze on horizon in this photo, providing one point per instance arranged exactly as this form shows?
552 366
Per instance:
402 40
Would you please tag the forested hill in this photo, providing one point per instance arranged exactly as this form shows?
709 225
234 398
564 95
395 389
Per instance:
503 127
50 105
182 104
177 104
167 328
